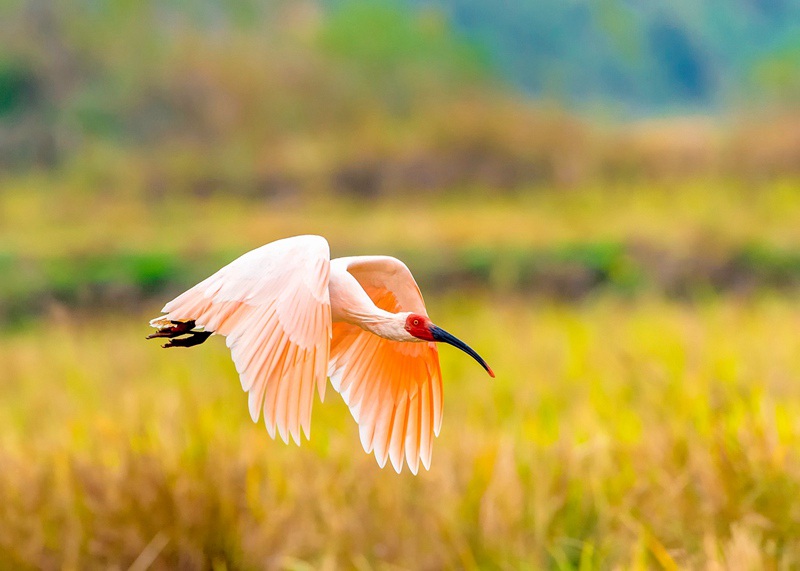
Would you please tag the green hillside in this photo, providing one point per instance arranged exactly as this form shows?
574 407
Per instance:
640 56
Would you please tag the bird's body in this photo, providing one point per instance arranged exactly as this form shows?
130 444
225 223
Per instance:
293 317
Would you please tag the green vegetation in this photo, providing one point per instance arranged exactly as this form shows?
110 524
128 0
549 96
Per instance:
644 55
89 252
282 99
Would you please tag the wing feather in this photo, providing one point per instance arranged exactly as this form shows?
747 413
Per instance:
413 435
273 306
393 389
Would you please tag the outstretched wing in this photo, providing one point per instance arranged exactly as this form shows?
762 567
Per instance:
393 389
273 305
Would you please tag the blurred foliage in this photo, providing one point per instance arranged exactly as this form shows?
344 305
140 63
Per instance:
637 57
683 241
18 89
289 98
614 436
778 75
563 272
410 56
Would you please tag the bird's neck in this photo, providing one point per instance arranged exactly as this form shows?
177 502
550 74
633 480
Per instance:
351 304
385 324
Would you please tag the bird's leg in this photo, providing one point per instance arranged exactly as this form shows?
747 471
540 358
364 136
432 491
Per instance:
193 339
177 328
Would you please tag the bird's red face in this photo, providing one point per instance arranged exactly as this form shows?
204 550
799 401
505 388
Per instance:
421 327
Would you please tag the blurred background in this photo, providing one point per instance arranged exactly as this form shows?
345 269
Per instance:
600 197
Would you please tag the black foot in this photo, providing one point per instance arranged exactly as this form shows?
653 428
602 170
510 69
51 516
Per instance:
179 328
193 339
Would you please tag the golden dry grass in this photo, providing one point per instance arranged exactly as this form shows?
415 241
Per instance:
621 432
46 217
618 434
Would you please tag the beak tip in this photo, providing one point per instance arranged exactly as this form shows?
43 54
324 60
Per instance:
489 370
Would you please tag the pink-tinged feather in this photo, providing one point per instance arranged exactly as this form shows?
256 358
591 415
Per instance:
279 404
426 415
398 433
412 435
273 306
393 389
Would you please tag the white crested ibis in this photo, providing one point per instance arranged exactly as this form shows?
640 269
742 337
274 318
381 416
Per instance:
292 317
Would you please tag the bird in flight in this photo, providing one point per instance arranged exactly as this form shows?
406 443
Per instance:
293 317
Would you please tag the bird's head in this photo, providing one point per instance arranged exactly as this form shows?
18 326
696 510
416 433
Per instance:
421 327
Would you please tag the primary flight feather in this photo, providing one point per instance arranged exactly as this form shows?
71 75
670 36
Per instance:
293 317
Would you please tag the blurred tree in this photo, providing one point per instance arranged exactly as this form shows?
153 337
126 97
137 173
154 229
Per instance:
779 74
399 55
19 88
644 56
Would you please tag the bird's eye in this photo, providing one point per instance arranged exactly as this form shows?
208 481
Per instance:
416 322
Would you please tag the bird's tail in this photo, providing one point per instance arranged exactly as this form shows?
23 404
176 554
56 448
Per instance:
164 322
161 322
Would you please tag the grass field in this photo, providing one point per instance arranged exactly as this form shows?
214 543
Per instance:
41 216
618 434
626 429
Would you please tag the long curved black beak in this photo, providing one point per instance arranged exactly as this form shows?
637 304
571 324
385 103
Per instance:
443 336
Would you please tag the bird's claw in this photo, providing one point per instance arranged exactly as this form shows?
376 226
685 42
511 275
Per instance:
195 338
